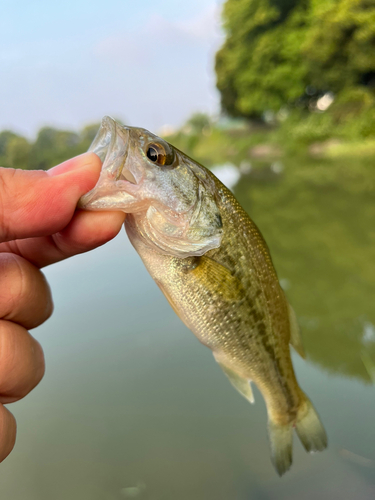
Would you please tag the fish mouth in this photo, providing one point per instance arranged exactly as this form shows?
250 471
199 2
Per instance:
119 180
128 176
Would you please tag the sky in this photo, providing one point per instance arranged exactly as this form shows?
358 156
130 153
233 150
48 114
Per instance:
67 64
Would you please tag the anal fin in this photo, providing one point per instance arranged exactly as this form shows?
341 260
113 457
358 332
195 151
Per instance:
295 336
240 383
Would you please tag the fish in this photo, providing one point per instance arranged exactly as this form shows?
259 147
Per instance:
214 267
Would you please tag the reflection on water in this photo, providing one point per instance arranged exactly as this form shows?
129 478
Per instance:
322 238
132 406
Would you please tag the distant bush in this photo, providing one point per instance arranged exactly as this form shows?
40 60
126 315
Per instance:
52 146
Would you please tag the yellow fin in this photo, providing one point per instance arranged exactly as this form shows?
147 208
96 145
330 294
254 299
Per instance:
240 383
218 279
310 429
295 336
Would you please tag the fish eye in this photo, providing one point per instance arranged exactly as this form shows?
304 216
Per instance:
152 154
160 154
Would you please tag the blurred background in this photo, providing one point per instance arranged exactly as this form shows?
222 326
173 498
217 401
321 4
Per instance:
277 98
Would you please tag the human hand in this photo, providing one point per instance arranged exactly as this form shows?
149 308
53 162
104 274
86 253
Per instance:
39 225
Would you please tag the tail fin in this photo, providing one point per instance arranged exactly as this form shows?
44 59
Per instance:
309 429
281 440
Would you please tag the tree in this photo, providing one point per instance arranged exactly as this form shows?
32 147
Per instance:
18 153
53 146
275 49
14 150
198 123
340 43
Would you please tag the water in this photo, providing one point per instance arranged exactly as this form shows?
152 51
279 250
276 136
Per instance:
133 406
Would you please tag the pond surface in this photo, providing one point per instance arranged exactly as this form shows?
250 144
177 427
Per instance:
133 406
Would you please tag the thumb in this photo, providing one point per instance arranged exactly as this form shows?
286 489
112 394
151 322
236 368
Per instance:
38 203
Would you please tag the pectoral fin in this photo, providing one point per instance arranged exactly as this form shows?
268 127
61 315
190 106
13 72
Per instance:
218 279
295 336
241 384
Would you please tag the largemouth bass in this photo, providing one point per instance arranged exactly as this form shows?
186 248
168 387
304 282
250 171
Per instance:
212 264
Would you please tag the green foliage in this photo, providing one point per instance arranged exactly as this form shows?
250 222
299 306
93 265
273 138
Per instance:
51 147
259 66
5 137
199 123
340 43
18 151
275 50
351 117
14 150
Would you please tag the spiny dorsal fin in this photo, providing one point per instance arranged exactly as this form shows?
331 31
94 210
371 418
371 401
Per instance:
295 336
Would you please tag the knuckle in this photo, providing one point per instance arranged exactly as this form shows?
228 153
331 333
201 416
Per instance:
12 278
22 362
24 292
8 429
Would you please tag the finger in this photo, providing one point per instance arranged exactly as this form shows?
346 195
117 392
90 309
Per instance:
25 296
37 203
21 362
7 432
87 230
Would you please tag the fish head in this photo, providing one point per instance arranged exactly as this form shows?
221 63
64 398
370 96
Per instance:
173 198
